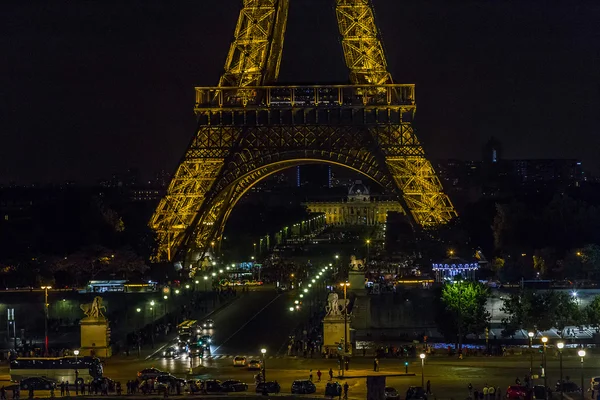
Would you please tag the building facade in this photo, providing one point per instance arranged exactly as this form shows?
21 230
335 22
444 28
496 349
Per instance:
359 208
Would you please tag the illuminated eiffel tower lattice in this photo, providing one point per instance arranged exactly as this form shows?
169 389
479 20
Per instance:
249 128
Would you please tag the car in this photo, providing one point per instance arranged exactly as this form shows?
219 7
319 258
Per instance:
37 383
333 389
170 379
172 352
416 392
517 392
254 365
541 392
233 386
212 385
391 393
239 361
185 338
567 387
208 324
303 386
149 373
205 340
196 350
268 387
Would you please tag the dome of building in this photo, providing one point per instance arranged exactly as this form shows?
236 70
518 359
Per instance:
358 192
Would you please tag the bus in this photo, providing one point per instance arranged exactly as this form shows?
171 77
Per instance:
72 369
188 330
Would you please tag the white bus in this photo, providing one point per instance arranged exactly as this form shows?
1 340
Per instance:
72 369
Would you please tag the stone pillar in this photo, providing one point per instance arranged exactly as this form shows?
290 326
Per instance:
361 310
95 337
333 332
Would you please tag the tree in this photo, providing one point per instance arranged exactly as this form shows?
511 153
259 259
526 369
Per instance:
462 310
591 313
539 311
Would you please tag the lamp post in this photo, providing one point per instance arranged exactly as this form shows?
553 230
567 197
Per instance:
153 314
345 286
137 338
263 351
530 334
544 369
205 282
368 248
422 355
560 346
581 354
46 305
166 298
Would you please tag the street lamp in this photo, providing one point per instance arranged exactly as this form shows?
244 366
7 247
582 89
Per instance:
422 355
153 315
581 354
530 334
561 346
166 298
368 247
46 305
263 351
76 352
544 372
345 286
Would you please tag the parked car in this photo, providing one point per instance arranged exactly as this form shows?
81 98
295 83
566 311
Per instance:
170 379
37 383
391 393
303 386
150 373
333 389
516 392
416 392
567 387
254 365
212 385
233 386
239 361
269 387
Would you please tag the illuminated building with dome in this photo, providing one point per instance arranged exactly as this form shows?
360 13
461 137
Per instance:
359 208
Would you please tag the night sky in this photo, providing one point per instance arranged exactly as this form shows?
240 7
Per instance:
89 88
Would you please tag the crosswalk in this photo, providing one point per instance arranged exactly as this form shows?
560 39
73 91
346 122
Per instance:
248 357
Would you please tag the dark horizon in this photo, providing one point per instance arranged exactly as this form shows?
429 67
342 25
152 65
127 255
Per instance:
92 89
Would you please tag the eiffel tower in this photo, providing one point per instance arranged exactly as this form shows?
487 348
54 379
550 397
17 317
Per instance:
250 128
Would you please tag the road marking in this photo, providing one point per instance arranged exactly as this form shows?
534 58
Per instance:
247 322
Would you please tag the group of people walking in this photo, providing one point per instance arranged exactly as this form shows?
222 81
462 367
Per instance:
489 392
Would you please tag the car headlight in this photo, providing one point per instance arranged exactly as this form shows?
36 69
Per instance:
209 340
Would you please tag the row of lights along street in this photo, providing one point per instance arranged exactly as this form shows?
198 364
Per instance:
313 281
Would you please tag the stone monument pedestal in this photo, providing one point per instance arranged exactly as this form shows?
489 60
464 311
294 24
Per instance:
95 337
361 310
333 333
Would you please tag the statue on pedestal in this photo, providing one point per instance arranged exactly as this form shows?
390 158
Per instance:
94 309
356 265
333 306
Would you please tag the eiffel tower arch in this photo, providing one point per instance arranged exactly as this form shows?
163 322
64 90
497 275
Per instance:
250 128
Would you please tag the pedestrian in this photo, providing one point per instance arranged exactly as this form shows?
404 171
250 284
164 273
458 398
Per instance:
82 388
498 393
310 375
485 391
428 387
31 393
470 387
2 393
62 388
475 394
330 374
67 393
318 375
346 390
492 392
376 365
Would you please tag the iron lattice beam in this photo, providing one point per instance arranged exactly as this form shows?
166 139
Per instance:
247 131
361 42
255 52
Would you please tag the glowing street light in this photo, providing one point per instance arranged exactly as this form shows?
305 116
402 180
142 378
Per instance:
561 346
544 372
422 355
581 354
263 351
